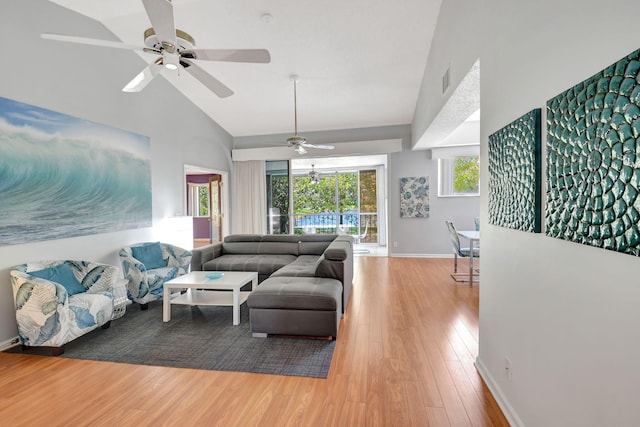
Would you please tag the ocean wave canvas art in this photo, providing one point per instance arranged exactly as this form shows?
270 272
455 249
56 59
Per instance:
62 176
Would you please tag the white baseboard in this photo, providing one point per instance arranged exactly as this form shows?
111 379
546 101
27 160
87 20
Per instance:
420 255
507 410
9 343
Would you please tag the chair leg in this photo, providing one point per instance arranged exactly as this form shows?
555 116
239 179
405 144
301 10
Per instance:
106 325
144 306
455 263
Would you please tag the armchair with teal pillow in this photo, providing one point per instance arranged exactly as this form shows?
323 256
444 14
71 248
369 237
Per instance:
148 265
58 301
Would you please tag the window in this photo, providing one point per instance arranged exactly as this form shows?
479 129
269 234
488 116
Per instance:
198 200
277 196
459 176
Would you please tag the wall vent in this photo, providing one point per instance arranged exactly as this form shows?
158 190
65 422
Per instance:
445 81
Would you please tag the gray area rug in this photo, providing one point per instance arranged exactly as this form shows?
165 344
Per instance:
199 338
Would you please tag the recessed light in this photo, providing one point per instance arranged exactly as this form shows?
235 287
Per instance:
266 17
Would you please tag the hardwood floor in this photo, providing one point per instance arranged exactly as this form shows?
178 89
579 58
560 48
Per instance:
404 357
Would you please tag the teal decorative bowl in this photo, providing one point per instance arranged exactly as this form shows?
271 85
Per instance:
215 275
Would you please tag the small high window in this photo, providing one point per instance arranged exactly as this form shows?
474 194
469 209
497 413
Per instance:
459 176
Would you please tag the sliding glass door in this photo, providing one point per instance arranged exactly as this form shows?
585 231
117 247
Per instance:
278 197
368 207
324 201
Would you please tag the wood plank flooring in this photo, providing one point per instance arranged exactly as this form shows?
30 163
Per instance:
404 357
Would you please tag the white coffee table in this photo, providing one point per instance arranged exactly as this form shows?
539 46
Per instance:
195 281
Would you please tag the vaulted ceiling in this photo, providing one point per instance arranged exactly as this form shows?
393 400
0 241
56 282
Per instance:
360 62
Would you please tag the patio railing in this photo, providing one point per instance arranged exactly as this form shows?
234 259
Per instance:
363 226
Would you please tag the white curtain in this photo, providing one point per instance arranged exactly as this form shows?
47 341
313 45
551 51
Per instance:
249 197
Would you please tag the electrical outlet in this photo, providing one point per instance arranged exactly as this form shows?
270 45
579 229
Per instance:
395 244
508 369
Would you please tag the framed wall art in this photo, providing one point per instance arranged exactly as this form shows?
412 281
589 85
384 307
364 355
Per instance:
515 174
62 176
414 197
593 160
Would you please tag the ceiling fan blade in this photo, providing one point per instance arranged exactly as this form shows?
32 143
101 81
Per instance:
261 56
320 146
160 14
89 41
215 85
141 80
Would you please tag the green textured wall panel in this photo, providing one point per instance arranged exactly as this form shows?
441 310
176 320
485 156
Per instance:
515 174
593 160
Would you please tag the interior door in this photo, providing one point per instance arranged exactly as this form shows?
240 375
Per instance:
215 207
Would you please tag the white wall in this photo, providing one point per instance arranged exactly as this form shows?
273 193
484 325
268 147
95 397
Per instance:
566 315
85 82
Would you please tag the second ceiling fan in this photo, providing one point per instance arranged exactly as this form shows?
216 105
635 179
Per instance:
299 143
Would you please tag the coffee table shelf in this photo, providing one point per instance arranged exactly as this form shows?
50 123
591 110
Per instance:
200 297
202 290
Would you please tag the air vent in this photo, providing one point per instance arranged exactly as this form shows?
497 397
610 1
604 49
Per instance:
445 81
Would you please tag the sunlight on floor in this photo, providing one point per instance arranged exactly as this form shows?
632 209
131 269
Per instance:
364 249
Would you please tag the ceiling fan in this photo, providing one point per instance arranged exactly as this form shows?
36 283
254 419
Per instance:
176 50
299 143
314 175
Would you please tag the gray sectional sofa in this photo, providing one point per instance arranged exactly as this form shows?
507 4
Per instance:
304 280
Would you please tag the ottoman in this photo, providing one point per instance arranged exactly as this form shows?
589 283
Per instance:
310 306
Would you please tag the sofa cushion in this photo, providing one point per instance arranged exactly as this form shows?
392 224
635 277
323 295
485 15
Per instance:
315 244
263 264
297 293
61 274
243 238
150 254
282 238
304 266
243 248
278 248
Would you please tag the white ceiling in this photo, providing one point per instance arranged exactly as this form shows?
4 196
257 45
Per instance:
360 62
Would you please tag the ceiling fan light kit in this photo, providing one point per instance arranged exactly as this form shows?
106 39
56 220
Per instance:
176 49
314 175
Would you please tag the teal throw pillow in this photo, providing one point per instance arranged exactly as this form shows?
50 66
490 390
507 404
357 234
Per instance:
61 274
150 255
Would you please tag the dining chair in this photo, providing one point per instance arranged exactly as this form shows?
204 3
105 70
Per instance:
459 251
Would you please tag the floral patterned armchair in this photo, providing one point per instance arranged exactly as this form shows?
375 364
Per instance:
58 301
148 265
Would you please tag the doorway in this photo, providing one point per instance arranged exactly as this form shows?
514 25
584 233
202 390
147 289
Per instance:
206 201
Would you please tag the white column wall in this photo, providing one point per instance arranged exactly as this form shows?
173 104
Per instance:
564 314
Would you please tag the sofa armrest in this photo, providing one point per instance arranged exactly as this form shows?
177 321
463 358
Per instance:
339 249
47 292
49 302
337 263
99 277
201 255
177 256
